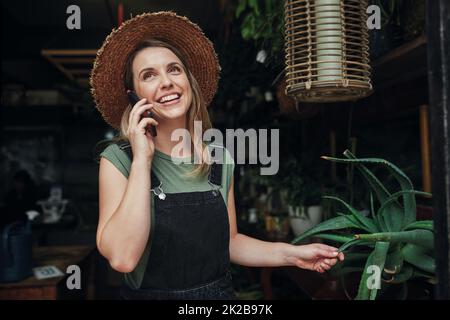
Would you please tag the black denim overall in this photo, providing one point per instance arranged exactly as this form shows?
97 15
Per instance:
189 257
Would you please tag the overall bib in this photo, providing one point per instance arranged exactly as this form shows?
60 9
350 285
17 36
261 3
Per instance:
189 257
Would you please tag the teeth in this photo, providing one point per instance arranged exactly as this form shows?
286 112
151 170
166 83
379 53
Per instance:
169 97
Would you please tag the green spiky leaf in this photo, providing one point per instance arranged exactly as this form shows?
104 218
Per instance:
422 224
388 224
384 210
419 237
366 223
336 223
409 201
417 256
376 258
334 237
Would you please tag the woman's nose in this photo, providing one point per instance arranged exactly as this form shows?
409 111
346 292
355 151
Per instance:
166 81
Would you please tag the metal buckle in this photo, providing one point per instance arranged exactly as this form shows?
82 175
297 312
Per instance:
158 191
215 190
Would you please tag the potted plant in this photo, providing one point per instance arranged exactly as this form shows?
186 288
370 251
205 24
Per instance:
390 240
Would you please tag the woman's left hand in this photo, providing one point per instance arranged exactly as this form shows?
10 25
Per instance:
316 256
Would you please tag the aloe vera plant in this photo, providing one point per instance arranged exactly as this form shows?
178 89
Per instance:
395 242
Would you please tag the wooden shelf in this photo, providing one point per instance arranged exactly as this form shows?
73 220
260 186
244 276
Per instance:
401 51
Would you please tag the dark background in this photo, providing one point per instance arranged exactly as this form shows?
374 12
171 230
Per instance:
52 135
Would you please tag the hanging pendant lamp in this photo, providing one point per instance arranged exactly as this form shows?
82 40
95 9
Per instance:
327 50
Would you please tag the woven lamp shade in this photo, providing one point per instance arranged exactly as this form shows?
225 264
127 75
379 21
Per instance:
327 50
292 108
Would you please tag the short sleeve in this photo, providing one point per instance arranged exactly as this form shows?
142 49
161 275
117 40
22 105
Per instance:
229 168
118 158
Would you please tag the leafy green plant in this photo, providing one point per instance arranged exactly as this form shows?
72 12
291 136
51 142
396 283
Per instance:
263 20
293 181
393 239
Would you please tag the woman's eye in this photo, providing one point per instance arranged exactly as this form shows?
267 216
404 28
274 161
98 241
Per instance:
146 76
175 69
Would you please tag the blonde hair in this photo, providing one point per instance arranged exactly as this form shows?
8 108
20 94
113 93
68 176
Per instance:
196 112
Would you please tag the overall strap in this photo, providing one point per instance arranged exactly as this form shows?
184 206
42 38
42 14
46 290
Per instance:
215 174
126 147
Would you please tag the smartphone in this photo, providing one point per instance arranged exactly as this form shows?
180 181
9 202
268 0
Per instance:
133 98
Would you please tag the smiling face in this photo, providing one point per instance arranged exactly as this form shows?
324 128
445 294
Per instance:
159 76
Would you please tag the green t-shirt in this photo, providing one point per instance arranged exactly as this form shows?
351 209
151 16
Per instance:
174 179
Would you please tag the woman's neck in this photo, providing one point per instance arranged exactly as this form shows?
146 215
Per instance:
163 142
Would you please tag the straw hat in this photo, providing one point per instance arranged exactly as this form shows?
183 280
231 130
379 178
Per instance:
107 75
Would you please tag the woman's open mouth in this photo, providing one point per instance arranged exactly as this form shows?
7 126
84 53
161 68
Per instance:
169 99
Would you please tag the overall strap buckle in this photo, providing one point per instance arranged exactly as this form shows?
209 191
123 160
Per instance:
215 177
158 191
215 173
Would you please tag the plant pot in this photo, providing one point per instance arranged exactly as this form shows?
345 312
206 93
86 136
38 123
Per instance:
315 214
300 225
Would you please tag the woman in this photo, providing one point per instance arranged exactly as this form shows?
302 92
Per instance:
170 227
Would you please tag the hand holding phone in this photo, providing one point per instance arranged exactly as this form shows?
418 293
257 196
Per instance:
133 98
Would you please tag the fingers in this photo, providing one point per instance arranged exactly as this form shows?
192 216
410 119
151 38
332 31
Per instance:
135 107
334 252
319 268
327 247
328 254
141 115
139 111
145 122
331 258
340 255
142 112
330 262
325 266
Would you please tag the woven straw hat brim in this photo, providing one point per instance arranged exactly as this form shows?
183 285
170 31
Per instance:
107 75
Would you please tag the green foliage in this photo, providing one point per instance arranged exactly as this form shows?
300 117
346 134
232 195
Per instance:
262 21
401 246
